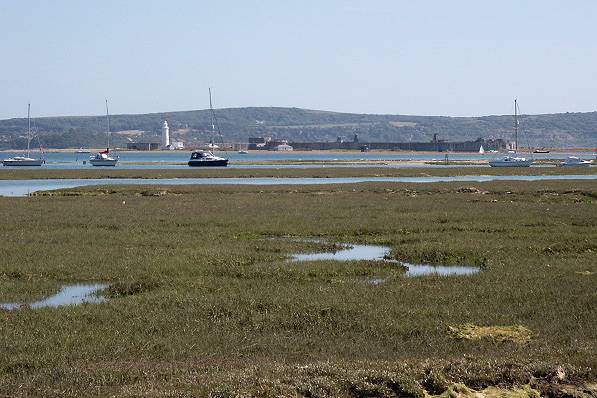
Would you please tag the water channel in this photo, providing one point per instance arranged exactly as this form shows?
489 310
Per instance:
26 187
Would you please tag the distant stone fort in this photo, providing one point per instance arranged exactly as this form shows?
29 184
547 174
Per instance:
435 145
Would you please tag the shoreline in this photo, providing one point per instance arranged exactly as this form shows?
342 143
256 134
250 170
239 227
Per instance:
317 152
329 172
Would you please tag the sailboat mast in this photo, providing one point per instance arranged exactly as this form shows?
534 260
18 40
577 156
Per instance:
213 120
28 129
108 118
515 125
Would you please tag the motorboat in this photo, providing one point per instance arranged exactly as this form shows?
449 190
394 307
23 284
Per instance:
206 159
25 160
574 161
510 161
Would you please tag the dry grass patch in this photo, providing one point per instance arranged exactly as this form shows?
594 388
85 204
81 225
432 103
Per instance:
516 333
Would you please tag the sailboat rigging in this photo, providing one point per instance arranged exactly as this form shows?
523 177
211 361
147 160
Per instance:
207 158
103 158
25 160
512 161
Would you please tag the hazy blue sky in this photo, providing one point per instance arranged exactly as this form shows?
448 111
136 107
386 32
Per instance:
458 57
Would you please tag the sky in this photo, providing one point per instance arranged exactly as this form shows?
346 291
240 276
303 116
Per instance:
425 57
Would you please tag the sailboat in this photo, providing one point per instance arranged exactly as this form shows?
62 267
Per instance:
25 160
103 158
512 161
207 158
481 150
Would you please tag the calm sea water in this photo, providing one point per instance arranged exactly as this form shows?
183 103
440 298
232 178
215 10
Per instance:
178 159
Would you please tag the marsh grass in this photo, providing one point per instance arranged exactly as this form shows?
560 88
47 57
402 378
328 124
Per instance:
204 301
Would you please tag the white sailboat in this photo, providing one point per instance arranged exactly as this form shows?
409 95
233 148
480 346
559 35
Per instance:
481 150
103 158
512 161
25 160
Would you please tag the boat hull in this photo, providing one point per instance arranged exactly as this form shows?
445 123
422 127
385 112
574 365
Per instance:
582 164
208 163
520 163
13 162
103 162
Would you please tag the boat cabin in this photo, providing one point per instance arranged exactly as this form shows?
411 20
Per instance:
199 155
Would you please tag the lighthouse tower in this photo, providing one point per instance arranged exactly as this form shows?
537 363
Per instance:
165 136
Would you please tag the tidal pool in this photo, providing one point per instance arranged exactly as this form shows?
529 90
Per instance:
348 253
68 295
379 253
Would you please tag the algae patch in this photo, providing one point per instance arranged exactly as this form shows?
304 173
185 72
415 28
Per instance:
516 333
585 273
458 390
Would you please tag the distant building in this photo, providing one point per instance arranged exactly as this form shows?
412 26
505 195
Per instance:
435 145
258 142
177 145
166 136
283 148
143 146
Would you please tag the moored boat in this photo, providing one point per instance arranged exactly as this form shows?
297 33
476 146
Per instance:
103 158
22 161
25 160
574 161
206 159
512 160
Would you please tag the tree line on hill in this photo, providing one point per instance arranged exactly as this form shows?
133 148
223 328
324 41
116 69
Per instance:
294 124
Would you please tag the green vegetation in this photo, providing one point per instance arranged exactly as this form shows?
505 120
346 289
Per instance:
328 172
237 124
204 303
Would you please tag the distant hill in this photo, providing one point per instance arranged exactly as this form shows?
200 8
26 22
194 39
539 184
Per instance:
294 124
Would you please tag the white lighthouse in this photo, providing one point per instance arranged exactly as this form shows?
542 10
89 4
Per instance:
165 136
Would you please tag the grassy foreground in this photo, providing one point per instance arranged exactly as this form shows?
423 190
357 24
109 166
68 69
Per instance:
15 174
204 303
